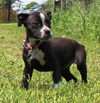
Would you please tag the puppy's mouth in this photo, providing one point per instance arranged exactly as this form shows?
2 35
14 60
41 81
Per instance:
46 38
39 38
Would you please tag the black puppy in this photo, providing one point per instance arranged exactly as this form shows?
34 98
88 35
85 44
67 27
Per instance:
43 53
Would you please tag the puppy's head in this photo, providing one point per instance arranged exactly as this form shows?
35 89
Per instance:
37 24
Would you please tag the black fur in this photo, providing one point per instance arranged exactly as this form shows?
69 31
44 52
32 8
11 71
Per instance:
59 53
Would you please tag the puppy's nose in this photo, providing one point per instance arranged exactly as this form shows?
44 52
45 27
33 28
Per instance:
47 32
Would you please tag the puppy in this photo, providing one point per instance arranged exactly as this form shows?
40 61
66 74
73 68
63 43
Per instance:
46 53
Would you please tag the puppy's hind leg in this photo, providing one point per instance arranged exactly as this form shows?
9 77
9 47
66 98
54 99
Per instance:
83 71
80 59
68 75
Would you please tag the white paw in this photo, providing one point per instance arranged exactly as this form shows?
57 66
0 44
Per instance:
56 85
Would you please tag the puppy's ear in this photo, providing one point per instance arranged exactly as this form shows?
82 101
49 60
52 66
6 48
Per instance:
22 17
49 14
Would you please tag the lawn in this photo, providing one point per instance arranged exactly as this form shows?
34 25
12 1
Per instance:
11 68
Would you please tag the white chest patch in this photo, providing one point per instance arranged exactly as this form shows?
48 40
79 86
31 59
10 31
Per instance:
38 55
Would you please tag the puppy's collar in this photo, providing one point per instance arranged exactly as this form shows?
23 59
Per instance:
28 47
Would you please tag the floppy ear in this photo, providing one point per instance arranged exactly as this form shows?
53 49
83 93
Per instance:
22 17
49 14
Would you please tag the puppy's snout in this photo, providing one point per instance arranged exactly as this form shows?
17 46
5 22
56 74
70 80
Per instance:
45 32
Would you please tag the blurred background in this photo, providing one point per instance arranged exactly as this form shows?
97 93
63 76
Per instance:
10 8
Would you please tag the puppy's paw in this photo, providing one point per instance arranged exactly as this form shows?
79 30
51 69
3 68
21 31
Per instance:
55 85
24 84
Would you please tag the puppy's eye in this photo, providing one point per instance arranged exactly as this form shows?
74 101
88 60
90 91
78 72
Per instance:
37 24
48 23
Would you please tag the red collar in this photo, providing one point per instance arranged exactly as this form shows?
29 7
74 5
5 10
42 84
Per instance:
28 47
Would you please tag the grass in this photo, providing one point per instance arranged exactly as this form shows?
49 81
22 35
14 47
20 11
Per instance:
71 25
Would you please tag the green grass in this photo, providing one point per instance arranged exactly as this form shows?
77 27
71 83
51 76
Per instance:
71 25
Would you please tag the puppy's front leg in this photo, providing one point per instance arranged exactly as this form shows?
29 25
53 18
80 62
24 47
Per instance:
56 65
56 78
27 74
56 74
